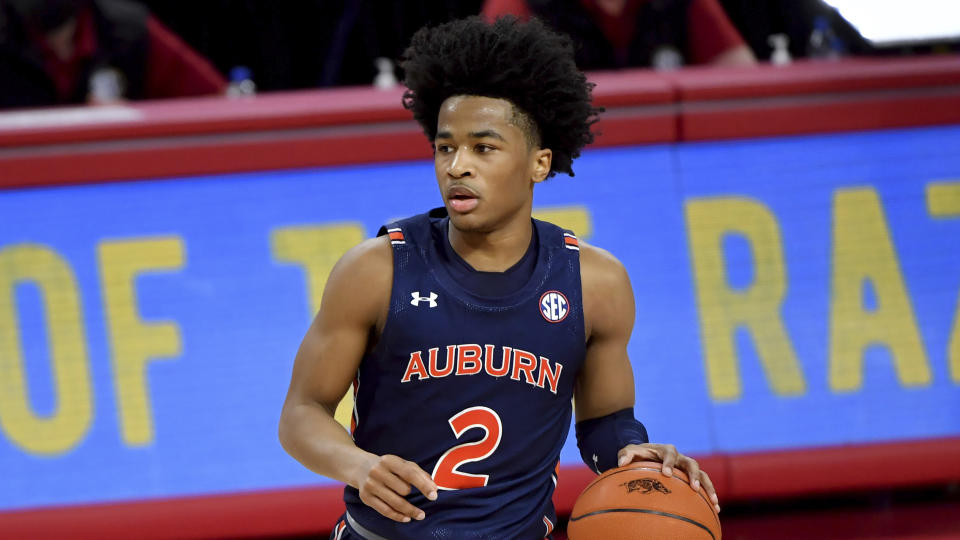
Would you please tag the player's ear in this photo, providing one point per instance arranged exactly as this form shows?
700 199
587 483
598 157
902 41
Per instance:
543 158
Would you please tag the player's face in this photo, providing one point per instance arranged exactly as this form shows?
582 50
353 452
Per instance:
485 167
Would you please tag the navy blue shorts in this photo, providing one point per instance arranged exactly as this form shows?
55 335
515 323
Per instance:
341 531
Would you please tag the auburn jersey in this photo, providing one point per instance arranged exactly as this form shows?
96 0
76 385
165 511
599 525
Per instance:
475 389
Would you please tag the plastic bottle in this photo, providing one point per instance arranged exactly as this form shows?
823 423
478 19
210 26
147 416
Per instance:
666 58
385 79
106 86
781 52
241 83
824 43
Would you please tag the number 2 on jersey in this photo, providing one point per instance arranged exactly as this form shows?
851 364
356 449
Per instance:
445 474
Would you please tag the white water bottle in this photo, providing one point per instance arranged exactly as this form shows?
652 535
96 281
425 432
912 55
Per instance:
385 78
781 53
241 83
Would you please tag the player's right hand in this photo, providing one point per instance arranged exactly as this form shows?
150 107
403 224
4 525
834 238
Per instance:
388 480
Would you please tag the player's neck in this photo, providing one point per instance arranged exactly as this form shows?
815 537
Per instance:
494 251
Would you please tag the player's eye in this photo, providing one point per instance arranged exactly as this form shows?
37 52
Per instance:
443 148
484 148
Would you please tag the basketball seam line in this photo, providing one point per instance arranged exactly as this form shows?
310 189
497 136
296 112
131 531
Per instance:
645 511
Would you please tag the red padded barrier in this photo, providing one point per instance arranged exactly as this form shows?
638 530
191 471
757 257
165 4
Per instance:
817 97
125 160
206 115
843 468
293 511
805 77
338 126
236 515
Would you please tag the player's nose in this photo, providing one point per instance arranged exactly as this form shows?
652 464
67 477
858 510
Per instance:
461 165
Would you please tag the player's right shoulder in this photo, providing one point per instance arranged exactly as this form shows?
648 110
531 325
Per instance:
360 283
370 256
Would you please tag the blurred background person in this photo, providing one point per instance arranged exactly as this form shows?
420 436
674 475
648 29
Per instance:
298 44
55 52
797 20
663 34
283 44
369 30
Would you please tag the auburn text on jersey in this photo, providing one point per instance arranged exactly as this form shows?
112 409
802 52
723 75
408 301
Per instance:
472 359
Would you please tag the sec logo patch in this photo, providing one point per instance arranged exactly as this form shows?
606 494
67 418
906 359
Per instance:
554 306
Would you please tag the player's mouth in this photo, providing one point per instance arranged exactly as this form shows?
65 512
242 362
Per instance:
462 199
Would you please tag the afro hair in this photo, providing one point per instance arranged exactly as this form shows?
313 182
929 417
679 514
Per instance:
525 63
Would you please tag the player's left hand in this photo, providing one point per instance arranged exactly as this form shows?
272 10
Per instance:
668 456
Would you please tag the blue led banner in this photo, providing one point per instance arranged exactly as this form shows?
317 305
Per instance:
791 292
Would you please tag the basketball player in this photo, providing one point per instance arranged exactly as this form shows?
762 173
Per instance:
465 332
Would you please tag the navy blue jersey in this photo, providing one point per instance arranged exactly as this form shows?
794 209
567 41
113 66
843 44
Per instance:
476 390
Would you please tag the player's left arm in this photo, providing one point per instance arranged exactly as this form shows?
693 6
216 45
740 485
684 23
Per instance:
605 384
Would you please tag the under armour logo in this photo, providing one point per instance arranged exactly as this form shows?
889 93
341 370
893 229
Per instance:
595 464
417 298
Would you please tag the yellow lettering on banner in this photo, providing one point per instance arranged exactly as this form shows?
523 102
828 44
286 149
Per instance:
723 310
317 249
574 218
862 250
62 430
133 342
943 201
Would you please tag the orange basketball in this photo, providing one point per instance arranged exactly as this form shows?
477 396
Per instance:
637 502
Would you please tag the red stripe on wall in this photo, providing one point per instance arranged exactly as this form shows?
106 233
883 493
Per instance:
308 510
236 515
271 151
797 115
843 468
123 160
360 125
